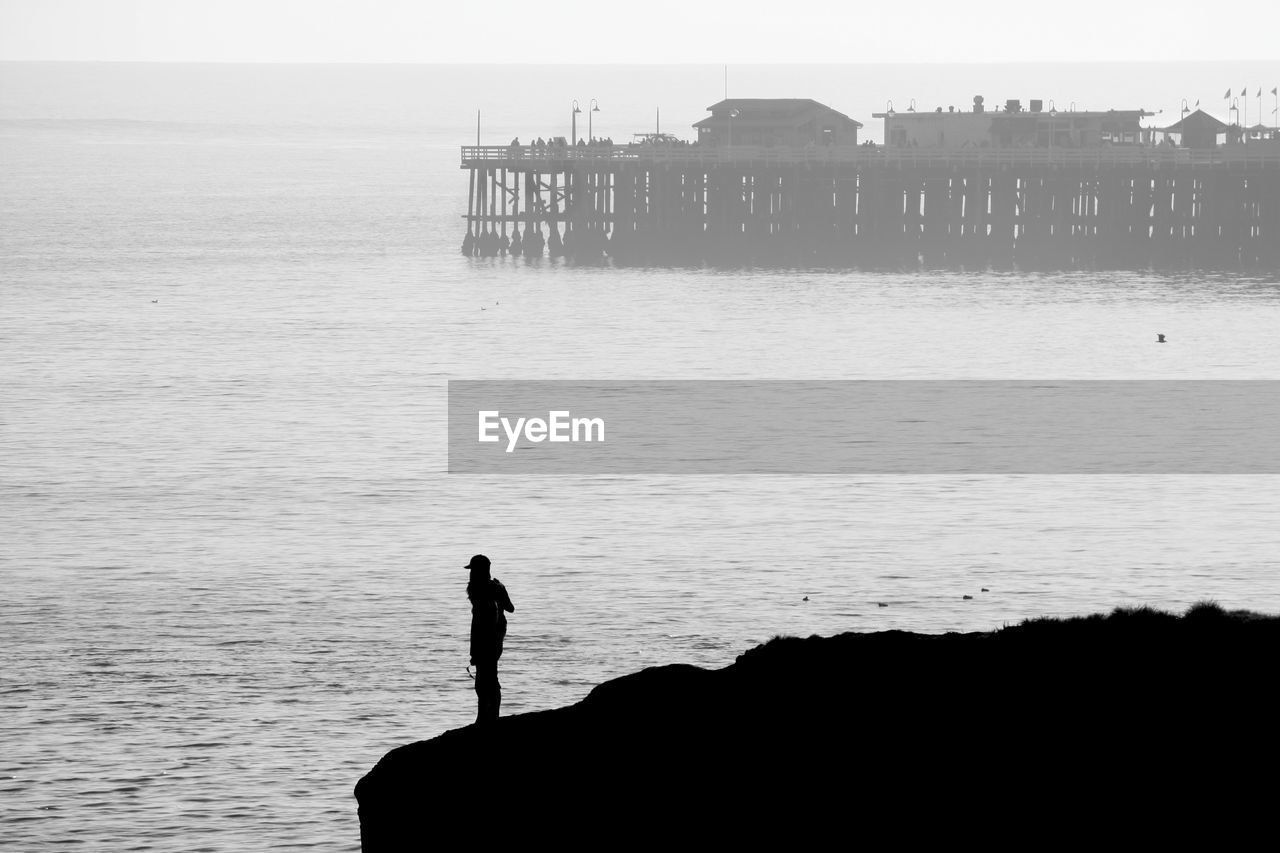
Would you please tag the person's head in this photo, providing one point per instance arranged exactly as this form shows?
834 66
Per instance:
479 567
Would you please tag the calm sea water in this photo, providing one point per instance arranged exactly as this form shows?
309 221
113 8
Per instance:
230 300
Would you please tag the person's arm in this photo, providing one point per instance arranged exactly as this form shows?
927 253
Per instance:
502 597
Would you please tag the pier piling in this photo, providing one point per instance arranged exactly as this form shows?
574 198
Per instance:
1058 209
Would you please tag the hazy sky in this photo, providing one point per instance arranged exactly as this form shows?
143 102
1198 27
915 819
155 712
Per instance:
642 31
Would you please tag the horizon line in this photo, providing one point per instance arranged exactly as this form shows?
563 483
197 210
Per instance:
623 63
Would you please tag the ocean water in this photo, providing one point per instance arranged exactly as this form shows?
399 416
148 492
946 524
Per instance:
230 299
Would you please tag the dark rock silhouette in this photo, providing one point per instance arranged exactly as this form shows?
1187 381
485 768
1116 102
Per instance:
1140 720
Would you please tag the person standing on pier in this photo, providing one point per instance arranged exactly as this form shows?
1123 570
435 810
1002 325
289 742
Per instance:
490 605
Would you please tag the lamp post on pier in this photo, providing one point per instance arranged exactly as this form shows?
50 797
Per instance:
573 124
732 115
595 108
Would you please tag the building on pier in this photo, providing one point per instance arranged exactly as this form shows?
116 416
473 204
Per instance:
1260 133
1199 130
1012 127
776 122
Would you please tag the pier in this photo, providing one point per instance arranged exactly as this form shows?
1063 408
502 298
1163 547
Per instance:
1107 206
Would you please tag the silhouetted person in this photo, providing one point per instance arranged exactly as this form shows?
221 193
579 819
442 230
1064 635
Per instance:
490 605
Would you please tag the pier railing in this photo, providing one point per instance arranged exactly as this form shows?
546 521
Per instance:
1230 156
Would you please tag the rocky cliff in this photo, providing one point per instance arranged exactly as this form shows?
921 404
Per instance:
1049 726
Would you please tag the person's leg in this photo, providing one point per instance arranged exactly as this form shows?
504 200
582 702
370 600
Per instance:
487 692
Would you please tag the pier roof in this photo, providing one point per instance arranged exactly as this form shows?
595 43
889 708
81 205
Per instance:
764 110
1198 120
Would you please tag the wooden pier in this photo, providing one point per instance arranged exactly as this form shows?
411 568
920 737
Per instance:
1065 208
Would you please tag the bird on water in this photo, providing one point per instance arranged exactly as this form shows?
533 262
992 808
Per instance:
1160 339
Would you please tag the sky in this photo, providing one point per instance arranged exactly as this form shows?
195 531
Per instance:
659 31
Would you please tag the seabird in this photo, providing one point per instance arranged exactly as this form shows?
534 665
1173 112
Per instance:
1160 339
968 598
